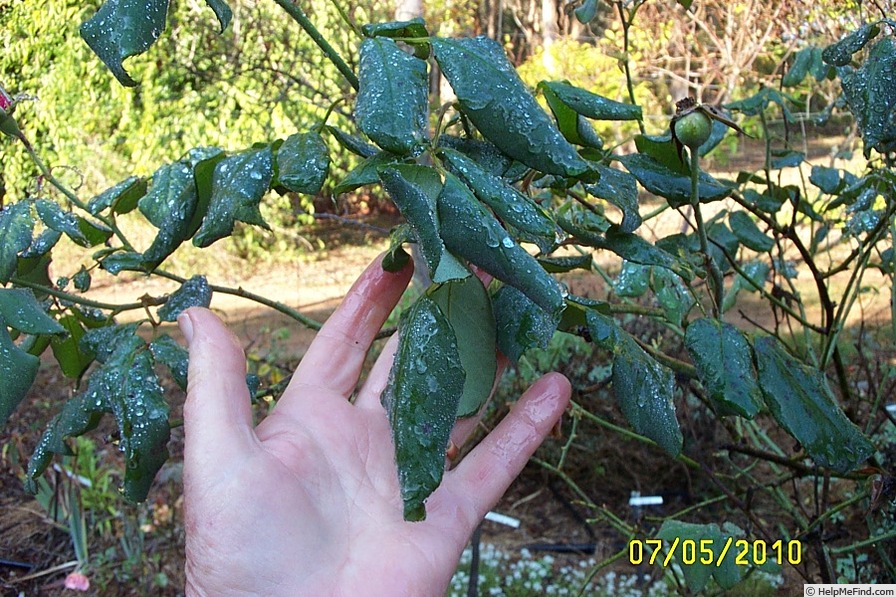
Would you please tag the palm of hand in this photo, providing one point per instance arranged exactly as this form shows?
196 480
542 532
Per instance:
307 502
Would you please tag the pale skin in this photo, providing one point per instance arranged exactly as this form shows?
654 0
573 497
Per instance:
307 502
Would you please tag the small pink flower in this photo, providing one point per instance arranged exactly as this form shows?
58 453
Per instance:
5 100
77 582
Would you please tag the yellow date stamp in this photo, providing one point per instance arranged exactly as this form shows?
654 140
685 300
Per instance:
712 552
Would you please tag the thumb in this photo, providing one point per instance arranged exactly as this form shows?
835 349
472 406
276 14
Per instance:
217 412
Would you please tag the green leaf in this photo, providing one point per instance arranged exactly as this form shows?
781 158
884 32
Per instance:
421 399
125 385
412 28
759 101
466 305
786 158
675 187
515 208
664 150
471 232
827 179
392 104
16 226
671 294
757 271
204 160
18 370
396 257
22 312
352 143
192 293
521 324
870 93
169 206
96 234
632 279
238 185
222 12
802 403
121 198
486 155
586 12
62 221
120 261
494 98
799 68
367 172
840 53
725 366
41 244
82 280
727 572
560 265
175 357
575 127
748 233
303 162
124 28
642 386
591 104
621 189
67 350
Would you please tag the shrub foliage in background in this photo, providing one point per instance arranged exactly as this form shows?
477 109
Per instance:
494 180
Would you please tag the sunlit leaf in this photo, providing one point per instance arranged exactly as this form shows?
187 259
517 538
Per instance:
124 28
870 92
62 221
421 399
591 104
121 198
169 205
840 53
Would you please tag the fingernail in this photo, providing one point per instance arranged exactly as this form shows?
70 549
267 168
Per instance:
186 326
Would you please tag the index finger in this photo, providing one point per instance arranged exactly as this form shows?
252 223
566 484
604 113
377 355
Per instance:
333 362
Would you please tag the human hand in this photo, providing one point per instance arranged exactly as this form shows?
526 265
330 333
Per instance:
308 502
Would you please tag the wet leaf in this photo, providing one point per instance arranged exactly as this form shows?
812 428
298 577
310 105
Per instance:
799 68
485 154
392 104
591 104
757 271
192 293
826 179
840 53
471 232
366 173
62 221
421 399
671 294
632 279
303 162
746 231
42 244
21 311
558 265
801 401
352 143
17 370
203 161
642 386
238 185
494 98
124 28
120 261
396 257
169 206
521 324
82 280
513 207
412 28
126 386
175 357
621 189
16 226
675 187
121 198
414 190
725 366
871 94
786 158
575 127
466 305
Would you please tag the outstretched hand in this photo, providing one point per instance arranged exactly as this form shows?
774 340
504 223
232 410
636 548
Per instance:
307 502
